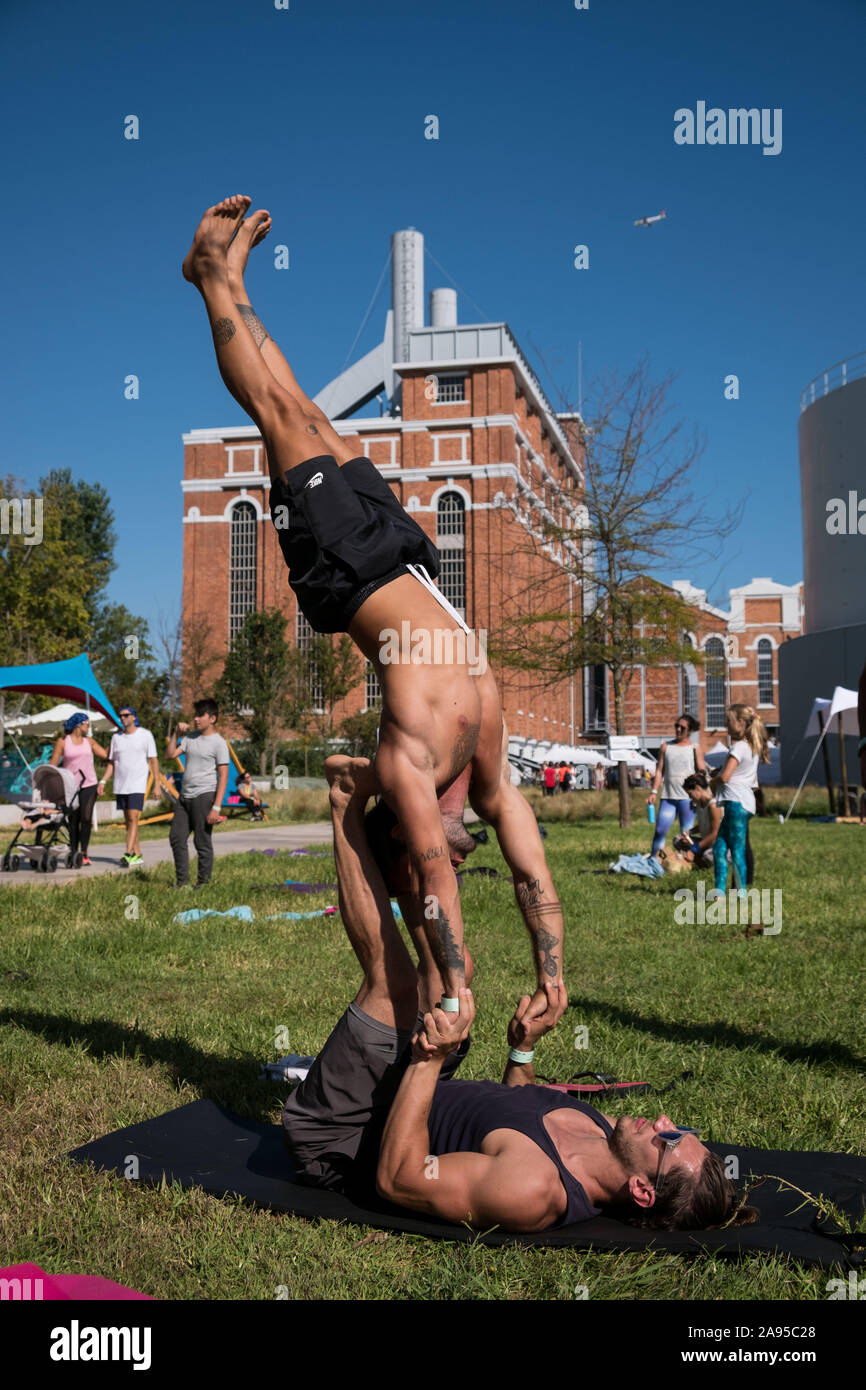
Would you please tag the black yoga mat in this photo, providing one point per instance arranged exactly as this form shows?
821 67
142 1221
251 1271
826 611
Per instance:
204 1145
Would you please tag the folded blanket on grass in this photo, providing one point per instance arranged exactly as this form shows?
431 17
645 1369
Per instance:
204 1145
642 864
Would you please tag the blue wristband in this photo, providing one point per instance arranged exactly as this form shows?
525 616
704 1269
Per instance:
515 1055
449 1005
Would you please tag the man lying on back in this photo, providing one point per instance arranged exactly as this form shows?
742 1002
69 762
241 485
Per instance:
375 1114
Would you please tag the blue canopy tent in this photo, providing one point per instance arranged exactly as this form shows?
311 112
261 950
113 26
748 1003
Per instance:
71 680
66 680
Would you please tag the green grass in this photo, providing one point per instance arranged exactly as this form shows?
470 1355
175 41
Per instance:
121 1018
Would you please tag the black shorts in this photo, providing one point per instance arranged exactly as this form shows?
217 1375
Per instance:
343 535
333 1122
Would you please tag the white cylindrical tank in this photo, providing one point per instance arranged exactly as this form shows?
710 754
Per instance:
443 308
407 287
833 483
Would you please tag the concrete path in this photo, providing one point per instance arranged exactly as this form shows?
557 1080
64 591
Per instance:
106 857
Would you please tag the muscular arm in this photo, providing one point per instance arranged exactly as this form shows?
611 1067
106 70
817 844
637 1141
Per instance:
517 832
479 1188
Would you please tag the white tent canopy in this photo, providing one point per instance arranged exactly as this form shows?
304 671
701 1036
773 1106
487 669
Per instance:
48 720
718 750
536 752
842 708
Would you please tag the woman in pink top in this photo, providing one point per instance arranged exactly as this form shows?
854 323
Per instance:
75 749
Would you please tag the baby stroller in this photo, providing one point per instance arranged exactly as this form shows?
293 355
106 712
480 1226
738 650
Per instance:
55 793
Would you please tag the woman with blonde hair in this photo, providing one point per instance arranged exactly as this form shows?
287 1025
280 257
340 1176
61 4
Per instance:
735 793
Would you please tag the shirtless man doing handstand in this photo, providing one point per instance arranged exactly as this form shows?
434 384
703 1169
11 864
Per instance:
358 563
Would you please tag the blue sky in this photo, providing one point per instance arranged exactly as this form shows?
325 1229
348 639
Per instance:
556 128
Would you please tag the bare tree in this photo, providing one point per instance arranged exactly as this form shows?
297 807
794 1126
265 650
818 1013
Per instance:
637 512
200 661
170 638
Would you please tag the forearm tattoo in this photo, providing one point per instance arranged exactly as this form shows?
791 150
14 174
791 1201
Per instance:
223 331
529 896
446 952
434 852
253 323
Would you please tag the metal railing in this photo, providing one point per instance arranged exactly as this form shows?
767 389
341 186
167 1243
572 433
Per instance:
851 369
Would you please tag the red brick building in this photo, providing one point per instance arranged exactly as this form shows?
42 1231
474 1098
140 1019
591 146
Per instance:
741 665
471 447
467 439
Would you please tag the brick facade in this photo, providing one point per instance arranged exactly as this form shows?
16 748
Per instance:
500 451
504 454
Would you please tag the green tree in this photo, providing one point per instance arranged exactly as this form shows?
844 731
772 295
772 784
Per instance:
336 669
261 681
43 581
360 730
87 524
125 664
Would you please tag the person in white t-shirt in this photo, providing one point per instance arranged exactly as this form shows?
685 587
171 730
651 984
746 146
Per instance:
734 787
129 754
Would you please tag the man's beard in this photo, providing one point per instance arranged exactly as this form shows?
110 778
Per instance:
621 1145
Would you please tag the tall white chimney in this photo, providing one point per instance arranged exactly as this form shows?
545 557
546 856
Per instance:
407 287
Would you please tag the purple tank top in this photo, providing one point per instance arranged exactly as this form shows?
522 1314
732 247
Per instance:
463 1113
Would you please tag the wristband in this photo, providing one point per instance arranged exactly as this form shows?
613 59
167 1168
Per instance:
216 806
515 1055
449 1005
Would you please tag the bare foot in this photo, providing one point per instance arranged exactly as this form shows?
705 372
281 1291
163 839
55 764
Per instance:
251 231
213 237
350 779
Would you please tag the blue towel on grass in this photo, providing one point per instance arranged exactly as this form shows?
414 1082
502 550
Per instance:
642 864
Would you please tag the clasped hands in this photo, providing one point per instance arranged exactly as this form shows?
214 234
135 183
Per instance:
534 1016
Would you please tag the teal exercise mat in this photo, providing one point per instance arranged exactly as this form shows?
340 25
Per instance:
204 1145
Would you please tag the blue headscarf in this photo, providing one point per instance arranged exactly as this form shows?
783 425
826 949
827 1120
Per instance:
74 720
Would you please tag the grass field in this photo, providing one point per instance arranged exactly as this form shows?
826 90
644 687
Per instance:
107 1019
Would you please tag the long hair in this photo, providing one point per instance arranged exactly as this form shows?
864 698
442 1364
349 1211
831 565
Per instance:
754 732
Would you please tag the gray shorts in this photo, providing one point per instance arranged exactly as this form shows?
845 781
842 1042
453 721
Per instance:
333 1122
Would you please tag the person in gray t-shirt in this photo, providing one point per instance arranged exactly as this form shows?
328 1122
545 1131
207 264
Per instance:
205 777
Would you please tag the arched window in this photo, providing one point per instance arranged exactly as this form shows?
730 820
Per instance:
765 672
716 682
304 636
451 542
372 688
242 565
690 701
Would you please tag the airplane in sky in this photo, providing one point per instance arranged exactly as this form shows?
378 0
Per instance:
648 221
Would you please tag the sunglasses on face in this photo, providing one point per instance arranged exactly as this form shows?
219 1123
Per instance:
670 1138
681 728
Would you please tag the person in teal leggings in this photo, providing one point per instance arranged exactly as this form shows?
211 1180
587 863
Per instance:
735 786
731 836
